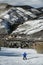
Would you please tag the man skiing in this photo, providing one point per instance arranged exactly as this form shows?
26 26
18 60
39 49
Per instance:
24 56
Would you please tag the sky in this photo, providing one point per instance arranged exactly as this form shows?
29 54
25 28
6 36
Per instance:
34 3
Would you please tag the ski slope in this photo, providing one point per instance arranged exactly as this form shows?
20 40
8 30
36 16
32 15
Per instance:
15 51
32 57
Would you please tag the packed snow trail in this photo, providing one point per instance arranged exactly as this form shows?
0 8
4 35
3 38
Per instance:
32 57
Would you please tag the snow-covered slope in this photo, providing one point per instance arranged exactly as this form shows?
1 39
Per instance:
15 51
32 58
30 27
22 20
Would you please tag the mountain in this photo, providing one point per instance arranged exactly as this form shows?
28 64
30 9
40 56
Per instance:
18 15
40 9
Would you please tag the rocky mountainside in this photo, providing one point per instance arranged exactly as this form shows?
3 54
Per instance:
13 16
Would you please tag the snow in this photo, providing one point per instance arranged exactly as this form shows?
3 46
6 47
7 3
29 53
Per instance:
30 27
15 51
6 16
32 57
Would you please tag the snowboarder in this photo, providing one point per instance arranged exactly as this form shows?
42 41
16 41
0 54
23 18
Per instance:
24 56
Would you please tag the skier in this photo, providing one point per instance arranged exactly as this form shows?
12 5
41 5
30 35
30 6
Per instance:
24 56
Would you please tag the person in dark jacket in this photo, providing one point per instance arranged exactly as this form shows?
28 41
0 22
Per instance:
24 56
